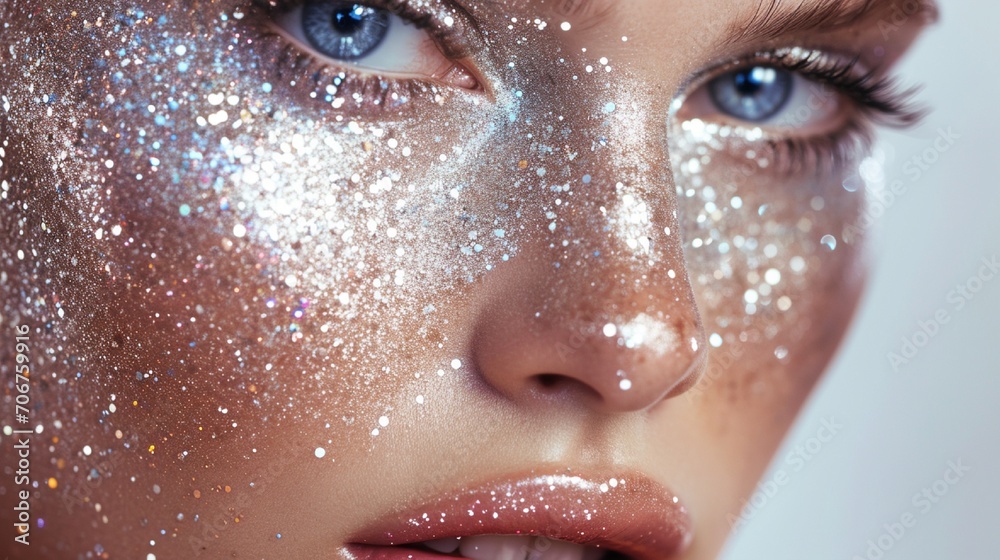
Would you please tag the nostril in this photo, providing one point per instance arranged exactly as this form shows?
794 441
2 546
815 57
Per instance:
556 385
548 380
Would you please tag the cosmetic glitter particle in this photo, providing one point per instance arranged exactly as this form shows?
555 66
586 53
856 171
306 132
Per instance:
278 229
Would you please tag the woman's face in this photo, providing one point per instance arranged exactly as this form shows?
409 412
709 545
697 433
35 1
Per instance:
567 268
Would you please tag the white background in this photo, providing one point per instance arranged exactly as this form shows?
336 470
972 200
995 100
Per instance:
901 428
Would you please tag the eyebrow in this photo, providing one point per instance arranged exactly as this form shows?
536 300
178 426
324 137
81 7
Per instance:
773 19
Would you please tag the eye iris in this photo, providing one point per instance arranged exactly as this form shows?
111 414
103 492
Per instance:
344 30
753 94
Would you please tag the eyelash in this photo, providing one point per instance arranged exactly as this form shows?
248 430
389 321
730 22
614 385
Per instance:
880 98
876 100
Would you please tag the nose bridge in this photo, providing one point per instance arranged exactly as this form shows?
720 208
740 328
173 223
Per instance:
611 212
612 232
599 293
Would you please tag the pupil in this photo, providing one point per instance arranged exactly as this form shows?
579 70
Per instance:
349 19
750 82
343 30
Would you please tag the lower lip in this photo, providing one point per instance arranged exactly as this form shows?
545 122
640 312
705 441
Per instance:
366 552
630 514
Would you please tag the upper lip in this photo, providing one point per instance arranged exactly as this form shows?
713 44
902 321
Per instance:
625 512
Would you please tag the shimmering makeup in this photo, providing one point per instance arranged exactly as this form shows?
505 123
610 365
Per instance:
262 278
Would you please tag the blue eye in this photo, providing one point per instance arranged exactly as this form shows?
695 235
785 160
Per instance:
356 36
752 94
344 30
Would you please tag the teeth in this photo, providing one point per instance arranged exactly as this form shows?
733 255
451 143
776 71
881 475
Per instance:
446 546
557 550
497 547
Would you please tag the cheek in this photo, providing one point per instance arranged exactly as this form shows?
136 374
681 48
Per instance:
278 263
775 262
227 258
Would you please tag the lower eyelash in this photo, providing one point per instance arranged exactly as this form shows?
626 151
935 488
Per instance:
822 155
339 88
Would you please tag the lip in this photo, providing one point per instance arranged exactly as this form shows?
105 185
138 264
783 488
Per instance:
624 512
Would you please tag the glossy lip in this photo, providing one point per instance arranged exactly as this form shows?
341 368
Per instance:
623 512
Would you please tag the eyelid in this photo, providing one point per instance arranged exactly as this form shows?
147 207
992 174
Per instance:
775 57
870 92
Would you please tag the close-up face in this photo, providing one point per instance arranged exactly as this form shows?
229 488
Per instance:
515 279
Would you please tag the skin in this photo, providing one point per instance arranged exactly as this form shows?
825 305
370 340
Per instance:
260 292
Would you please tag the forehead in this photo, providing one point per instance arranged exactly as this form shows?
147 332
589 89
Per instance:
764 16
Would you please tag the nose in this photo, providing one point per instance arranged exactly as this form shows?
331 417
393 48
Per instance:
596 309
